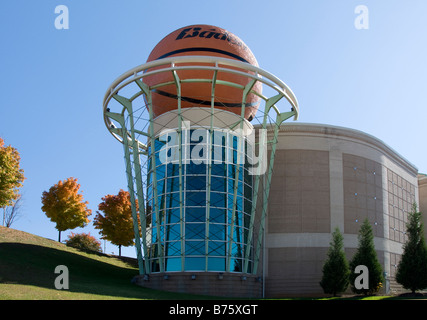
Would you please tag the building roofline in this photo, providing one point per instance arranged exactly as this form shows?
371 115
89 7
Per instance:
337 131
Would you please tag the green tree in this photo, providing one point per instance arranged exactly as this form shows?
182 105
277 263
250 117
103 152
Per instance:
367 256
11 175
336 269
412 269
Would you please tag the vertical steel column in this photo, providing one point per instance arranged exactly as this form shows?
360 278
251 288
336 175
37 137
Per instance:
181 184
155 190
140 192
235 187
269 103
127 104
240 152
210 159
279 120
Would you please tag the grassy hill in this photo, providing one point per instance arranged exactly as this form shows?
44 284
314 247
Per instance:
27 264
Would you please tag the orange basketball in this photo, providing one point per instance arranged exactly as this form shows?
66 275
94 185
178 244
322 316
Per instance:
202 40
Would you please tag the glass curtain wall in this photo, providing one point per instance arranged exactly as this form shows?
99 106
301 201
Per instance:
203 224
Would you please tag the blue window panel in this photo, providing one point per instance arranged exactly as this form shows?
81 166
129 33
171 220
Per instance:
231 187
161 203
172 169
160 172
217 231
195 231
172 216
173 264
216 264
195 214
195 199
192 168
173 200
161 186
218 184
237 232
195 264
150 191
173 248
173 184
219 169
217 248
217 199
217 215
194 248
195 182
173 232
239 202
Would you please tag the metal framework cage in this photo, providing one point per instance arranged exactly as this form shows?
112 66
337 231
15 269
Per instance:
198 188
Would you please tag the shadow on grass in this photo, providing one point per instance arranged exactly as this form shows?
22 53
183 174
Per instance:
34 265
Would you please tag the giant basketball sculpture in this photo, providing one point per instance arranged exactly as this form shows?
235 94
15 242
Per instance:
196 125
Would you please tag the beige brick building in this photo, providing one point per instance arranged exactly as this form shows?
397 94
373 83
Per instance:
326 177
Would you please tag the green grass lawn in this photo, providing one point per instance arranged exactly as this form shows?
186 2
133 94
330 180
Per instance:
27 265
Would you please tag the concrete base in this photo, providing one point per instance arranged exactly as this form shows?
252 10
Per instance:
204 283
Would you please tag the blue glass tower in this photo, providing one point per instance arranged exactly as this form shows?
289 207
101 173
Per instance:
203 215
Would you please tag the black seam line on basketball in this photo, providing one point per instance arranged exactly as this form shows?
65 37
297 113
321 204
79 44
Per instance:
204 102
202 49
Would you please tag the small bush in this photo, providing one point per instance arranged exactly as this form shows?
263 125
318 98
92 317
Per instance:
83 241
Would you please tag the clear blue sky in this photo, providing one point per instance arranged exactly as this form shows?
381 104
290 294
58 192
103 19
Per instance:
53 81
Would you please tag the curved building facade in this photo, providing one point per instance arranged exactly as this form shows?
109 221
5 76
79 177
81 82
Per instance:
327 177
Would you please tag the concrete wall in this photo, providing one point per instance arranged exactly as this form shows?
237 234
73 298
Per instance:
205 283
326 177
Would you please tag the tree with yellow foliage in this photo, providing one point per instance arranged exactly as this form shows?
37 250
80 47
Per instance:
64 206
116 225
11 175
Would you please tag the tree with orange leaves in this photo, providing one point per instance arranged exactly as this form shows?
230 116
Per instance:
64 205
11 176
116 225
